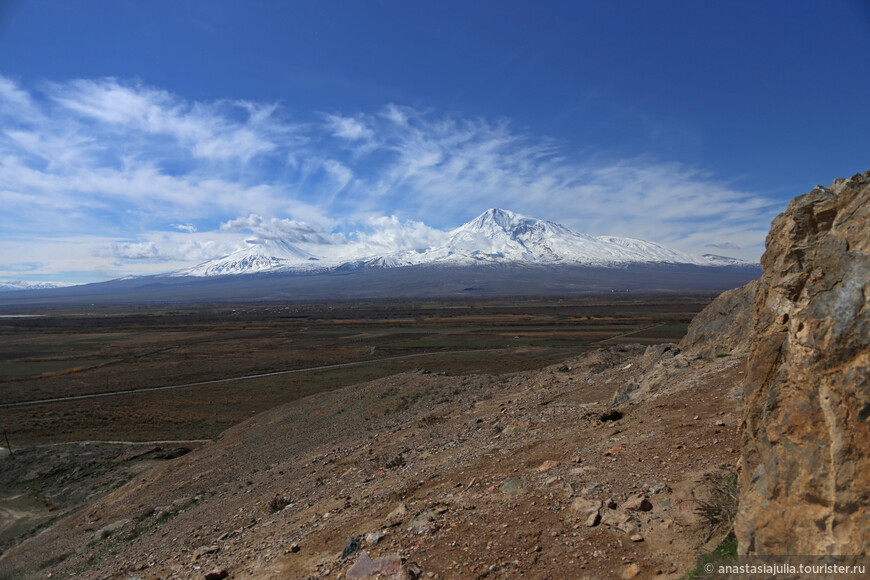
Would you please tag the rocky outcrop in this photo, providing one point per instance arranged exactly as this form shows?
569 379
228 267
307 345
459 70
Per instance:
805 479
657 366
725 326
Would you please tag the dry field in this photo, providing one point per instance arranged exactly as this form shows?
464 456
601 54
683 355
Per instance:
71 353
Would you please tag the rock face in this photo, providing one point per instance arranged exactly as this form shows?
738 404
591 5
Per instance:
725 326
805 481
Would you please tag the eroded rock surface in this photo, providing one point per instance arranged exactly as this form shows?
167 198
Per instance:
805 482
725 327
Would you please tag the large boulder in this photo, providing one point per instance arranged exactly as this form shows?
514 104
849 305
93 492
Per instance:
725 326
805 479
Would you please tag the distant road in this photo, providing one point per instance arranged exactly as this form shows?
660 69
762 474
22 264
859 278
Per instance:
651 326
242 378
278 373
102 442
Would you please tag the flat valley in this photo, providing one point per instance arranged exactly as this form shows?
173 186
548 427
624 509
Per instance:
192 372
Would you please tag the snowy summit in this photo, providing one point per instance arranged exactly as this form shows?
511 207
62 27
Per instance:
497 236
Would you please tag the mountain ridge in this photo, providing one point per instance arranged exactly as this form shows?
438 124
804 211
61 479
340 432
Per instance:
495 236
23 285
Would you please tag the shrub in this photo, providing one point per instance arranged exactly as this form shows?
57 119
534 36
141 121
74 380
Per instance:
721 507
278 503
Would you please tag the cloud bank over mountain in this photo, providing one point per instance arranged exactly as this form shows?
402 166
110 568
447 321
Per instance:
168 181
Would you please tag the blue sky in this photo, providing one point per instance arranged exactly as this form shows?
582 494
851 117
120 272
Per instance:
140 137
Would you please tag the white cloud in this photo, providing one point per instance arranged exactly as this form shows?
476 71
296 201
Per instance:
390 234
156 252
16 103
215 130
722 246
350 128
124 159
396 114
341 174
281 229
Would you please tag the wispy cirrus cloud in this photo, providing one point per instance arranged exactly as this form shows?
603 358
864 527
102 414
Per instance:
290 230
140 165
350 128
221 130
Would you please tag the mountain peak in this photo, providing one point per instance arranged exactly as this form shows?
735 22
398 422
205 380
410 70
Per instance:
495 236
495 218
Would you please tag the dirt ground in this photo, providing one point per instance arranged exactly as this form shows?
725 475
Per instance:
510 475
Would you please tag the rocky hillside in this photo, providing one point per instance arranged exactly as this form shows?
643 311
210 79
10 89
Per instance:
530 474
805 483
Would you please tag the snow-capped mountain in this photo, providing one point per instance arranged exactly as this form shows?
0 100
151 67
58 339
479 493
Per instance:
258 256
497 236
14 285
501 236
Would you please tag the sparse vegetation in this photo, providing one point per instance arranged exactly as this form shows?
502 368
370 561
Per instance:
397 461
278 503
611 415
724 553
720 509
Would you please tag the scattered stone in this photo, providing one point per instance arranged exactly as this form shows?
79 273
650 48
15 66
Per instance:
614 450
631 572
352 546
421 521
659 352
397 516
294 547
110 529
219 574
373 538
619 520
204 550
365 566
410 571
547 465
636 538
512 485
519 427
658 488
591 487
589 510
637 503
